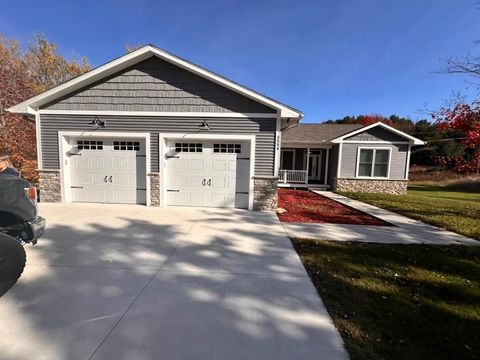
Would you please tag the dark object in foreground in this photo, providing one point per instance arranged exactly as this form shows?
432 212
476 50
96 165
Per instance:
19 225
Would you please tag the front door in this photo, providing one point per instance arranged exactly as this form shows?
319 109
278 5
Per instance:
314 166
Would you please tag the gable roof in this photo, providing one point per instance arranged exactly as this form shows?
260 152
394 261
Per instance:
402 134
316 133
29 106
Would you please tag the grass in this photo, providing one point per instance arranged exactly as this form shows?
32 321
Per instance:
399 301
454 207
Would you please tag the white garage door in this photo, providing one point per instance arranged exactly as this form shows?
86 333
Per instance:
210 174
108 171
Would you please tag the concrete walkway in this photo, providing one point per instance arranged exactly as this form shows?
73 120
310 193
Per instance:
130 282
404 231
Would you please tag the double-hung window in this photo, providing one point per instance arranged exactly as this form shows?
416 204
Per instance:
373 163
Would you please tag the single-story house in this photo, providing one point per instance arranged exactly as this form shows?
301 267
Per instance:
346 157
151 128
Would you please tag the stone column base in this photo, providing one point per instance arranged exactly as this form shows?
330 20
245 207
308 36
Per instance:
393 187
50 186
265 193
154 188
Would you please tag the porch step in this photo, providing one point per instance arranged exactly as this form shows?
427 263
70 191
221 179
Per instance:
318 187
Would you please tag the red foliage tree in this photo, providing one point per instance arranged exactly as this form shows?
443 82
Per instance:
23 75
464 118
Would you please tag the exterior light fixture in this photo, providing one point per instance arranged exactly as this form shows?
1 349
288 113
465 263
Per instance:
97 123
204 125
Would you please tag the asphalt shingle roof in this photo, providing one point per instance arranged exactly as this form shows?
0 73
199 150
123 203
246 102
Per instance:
312 133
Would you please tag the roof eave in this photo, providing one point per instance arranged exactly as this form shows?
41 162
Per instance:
411 139
132 58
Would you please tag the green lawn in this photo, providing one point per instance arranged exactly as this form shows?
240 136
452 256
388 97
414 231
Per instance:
456 208
399 301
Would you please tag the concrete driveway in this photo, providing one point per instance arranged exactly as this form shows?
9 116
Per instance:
130 282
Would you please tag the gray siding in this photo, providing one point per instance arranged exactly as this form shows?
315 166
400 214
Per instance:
376 134
397 165
157 85
264 129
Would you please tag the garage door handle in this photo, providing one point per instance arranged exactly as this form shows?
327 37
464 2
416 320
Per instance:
105 178
203 182
209 182
110 179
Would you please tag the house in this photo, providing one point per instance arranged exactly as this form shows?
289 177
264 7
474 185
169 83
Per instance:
346 157
151 128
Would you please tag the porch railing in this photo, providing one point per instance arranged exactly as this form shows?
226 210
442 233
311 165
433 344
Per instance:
293 176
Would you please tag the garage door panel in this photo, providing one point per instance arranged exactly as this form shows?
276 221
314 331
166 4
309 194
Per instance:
197 164
212 175
120 165
219 165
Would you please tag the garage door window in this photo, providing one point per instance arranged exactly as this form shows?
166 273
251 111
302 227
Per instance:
89 145
188 147
227 148
126 145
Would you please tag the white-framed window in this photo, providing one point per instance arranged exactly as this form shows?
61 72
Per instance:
89 145
227 148
373 162
188 147
126 145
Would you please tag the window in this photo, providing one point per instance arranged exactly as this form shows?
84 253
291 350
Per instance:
373 163
89 145
227 148
188 147
287 159
126 145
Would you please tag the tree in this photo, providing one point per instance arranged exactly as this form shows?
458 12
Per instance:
465 119
24 74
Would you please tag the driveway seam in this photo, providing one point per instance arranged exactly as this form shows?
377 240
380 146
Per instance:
143 288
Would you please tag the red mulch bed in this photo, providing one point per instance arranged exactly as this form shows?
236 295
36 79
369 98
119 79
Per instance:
304 206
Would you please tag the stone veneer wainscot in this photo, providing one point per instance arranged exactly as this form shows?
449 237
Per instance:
50 186
265 193
393 187
154 188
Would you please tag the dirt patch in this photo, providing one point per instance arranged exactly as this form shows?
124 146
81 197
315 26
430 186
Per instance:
304 206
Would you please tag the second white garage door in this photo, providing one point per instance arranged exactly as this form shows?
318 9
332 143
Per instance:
209 174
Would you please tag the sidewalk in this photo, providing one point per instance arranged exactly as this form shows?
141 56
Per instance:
404 231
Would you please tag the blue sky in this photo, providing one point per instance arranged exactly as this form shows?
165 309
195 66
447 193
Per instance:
326 58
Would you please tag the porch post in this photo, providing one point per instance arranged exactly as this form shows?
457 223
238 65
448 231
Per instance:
308 163
326 167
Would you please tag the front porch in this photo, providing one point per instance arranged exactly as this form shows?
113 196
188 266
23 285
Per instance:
305 167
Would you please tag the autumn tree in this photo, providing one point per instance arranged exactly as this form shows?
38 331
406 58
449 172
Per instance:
23 74
464 118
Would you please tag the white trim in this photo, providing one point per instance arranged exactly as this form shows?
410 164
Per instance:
366 142
38 135
281 158
162 143
299 145
65 167
339 161
412 139
157 113
278 146
135 57
407 167
360 148
325 181
308 162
